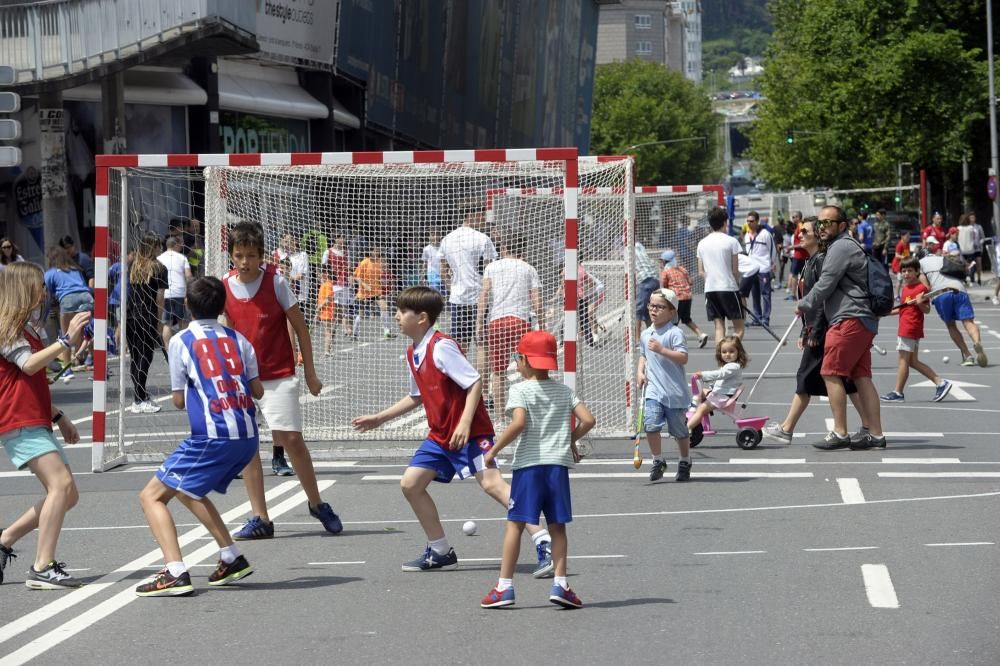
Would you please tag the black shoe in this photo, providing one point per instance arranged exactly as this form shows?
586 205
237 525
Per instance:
683 471
659 467
6 555
225 574
833 441
52 577
165 585
869 441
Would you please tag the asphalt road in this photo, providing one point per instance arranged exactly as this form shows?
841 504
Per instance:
782 555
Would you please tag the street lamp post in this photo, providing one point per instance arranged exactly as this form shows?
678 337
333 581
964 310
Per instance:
995 170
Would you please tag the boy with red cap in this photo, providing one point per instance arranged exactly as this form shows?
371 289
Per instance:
540 411
461 434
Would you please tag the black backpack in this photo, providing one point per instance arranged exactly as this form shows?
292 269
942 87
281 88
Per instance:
881 297
954 267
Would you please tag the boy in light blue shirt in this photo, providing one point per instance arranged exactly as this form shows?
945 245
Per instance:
662 379
539 409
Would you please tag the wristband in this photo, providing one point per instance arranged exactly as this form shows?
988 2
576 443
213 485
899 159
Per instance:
55 419
64 341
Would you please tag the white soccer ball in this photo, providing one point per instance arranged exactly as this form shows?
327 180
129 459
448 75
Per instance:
469 527
945 359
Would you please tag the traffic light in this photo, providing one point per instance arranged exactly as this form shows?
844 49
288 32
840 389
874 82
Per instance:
789 137
898 198
10 129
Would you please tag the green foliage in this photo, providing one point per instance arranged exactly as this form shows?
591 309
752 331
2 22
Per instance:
639 102
719 17
864 84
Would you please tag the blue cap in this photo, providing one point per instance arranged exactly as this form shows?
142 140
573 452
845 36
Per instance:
667 256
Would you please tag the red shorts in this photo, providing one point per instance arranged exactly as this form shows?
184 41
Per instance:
502 336
847 350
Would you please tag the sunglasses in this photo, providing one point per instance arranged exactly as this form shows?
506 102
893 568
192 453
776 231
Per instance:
826 222
6 247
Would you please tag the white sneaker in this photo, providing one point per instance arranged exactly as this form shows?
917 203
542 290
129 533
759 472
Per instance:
145 407
996 301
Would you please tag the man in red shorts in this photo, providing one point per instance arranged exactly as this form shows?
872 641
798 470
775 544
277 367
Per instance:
842 291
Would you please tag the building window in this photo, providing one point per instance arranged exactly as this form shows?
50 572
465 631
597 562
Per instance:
644 47
643 21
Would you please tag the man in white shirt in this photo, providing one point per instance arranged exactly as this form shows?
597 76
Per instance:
511 292
178 274
718 265
760 248
466 252
954 307
298 277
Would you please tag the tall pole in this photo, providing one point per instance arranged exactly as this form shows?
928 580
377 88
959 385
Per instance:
994 162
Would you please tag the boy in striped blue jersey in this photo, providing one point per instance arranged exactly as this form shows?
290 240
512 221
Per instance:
213 373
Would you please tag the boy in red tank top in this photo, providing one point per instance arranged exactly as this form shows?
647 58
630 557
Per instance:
440 379
261 306
914 304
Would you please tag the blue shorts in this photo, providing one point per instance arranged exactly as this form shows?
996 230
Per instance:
173 311
656 415
954 306
465 462
797 265
80 301
199 466
540 489
25 444
643 292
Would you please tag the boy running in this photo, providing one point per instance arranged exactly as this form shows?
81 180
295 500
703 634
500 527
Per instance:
539 410
442 379
261 306
913 306
213 374
661 373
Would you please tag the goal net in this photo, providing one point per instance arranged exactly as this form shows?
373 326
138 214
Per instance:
363 226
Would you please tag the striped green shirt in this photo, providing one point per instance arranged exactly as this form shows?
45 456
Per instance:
546 436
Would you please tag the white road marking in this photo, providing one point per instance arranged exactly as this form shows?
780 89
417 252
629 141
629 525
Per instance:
641 475
922 461
878 586
766 461
939 475
824 550
962 543
732 552
127 595
850 491
40 615
957 389
568 557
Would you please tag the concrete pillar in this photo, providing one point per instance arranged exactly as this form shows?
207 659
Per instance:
203 121
52 139
113 114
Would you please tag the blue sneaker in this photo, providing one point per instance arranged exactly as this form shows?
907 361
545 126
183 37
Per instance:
255 528
545 565
323 512
895 396
431 560
498 599
942 390
565 597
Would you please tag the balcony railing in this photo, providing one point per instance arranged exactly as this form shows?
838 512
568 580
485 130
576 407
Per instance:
53 38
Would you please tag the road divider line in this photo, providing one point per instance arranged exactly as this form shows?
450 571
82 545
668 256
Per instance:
844 548
939 475
642 475
569 557
961 543
323 564
52 609
922 461
850 491
732 552
126 596
878 586
767 461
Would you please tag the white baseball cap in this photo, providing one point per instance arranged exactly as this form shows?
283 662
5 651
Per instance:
667 294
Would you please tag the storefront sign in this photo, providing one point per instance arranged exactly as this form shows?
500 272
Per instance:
246 133
297 28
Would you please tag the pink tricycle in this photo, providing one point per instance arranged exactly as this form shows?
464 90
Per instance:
748 428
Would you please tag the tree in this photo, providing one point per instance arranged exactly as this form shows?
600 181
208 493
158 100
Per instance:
864 84
642 102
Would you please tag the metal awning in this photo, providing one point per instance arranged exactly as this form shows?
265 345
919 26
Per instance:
148 85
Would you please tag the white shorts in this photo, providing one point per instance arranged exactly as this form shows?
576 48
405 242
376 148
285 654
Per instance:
906 344
280 404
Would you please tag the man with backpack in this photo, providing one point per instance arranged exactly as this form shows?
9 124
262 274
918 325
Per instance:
953 307
853 294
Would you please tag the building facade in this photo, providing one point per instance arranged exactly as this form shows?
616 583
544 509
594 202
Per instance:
668 33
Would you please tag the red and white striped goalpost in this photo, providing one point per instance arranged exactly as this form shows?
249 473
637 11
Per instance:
105 163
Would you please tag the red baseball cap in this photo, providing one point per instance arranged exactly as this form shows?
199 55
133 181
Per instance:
539 347
953 230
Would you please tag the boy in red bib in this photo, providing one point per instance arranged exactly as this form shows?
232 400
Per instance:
440 379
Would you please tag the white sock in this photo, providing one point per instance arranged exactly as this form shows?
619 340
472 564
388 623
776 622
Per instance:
561 582
505 584
440 546
686 459
176 568
386 321
539 537
229 553
357 324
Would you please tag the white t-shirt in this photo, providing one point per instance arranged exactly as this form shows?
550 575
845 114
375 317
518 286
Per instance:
511 282
761 248
177 270
448 358
300 268
463 249
248 290
716 252
931 267
432 259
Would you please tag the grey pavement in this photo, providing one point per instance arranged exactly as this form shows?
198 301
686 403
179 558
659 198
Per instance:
781 555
